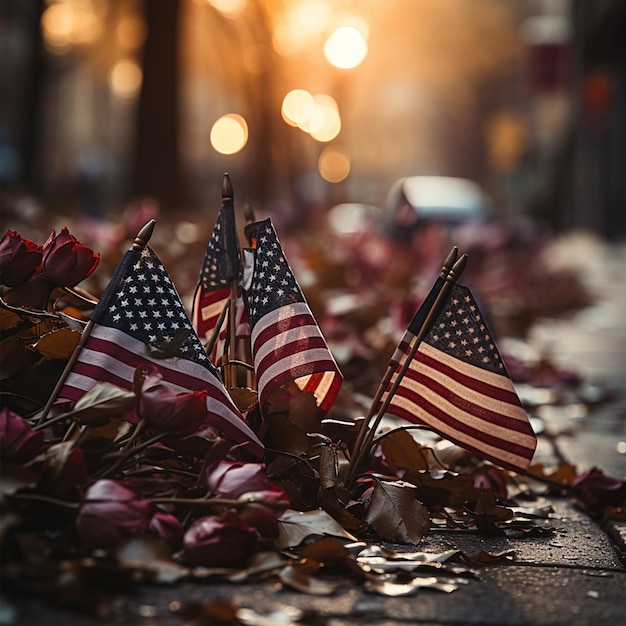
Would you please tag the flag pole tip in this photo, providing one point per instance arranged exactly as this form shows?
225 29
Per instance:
450 259
458 268
143 236
227 189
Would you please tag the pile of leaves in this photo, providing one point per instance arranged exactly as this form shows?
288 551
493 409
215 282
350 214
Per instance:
92 501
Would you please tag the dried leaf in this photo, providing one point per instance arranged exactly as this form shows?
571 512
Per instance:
261 563
396 515
15 477
484 557
403 452
152 556
101 403
445 488
391 589
294 527
58 344
298 578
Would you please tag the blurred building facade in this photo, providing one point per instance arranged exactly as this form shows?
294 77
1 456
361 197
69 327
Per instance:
102 103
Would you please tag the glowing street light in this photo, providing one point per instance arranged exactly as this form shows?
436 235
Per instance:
229 134
345 48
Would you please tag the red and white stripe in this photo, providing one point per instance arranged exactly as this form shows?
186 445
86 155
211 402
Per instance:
477 409
110 355
288 346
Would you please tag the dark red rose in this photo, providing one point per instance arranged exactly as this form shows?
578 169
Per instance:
169 410
220 541
17 441
19 258
66 261
230 479
166 527
110 513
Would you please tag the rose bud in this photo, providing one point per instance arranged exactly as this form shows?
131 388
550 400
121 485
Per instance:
66 261
17 441
166 527
232 478
19 258
110 513
224 541
167 410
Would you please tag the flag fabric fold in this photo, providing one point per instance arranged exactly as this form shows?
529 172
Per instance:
140 321
287 344
220 267
457 385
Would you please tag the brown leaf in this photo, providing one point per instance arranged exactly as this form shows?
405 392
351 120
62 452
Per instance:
15 477
101 403
447 488
297 577
403 452
153 557
396 515
392 589
57 344
294 527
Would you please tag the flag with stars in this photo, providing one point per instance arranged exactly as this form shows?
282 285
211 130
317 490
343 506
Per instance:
220 267
458 386
287 344
140 321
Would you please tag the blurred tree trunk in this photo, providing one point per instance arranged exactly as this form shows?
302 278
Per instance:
156 168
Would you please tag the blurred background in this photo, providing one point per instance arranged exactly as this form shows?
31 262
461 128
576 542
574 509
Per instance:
374 133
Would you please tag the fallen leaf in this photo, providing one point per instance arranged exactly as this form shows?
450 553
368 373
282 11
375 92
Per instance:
295 526
298 578
101 403
396 515
58 344
393 589
403 452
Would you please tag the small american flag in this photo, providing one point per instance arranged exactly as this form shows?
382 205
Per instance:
140 321
458 385
287 344
220 267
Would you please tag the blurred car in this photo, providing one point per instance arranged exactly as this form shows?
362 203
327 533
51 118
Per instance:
442 199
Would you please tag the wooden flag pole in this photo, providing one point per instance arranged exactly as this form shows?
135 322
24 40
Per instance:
452 277
391 367
230 371
140 242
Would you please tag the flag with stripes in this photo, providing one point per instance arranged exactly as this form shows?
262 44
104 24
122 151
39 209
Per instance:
220 267
287 344
458 386
140 321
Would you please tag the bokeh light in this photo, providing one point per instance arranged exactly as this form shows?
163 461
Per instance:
229 8
327 120
334 164
229 134
125 79
67 23
298 106
345 48
131 32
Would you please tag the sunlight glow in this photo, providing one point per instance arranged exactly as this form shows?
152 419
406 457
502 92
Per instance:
229 134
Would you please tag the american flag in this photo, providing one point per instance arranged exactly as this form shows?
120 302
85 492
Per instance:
140 321
457 385
220 267
287 344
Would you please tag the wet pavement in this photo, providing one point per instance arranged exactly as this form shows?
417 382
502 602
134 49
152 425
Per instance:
573 576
